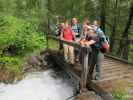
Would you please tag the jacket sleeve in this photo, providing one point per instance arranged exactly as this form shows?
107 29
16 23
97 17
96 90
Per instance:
101 35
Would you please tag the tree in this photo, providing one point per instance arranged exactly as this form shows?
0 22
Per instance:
103 14
114 25
124 44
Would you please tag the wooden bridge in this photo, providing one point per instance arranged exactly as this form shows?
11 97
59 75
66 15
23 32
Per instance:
114 72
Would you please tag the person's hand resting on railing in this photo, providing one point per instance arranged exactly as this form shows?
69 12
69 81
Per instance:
86 43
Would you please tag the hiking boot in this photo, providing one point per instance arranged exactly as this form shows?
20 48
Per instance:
97 78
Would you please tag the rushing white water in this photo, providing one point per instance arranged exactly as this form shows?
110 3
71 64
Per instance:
37 86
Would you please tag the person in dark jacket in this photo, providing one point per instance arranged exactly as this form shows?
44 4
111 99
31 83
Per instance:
91 40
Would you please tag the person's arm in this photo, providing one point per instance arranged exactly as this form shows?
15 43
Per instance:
91 42
82 42
72 34
61 35
102 36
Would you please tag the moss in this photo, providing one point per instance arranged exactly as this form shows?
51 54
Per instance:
119 94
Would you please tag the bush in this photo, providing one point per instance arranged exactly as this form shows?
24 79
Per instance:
18 36
11 64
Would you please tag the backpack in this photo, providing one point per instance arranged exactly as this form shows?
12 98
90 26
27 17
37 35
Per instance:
104 47
104 41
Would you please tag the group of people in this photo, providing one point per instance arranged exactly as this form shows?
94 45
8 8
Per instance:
89 34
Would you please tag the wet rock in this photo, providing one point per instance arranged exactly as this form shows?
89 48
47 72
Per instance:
6 76
35 62
90 95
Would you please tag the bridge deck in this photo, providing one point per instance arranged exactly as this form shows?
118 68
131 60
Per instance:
112 72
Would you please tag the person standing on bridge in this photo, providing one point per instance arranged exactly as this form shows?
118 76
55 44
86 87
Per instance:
85 29
103 48
67 34
76 31
92 40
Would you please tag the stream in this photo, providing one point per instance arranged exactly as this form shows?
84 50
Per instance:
44 85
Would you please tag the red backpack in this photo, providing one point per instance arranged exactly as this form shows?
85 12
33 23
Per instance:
104 47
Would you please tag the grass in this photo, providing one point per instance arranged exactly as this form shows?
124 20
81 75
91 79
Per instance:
53 44
130 85
119 90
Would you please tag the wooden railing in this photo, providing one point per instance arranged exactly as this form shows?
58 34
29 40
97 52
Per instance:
120 48
74 44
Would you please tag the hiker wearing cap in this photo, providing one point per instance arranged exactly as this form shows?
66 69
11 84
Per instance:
104 46
76 32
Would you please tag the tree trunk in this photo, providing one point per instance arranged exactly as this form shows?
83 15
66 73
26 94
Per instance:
103 15
124 45
113 35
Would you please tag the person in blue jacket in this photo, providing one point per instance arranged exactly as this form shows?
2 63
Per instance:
100 56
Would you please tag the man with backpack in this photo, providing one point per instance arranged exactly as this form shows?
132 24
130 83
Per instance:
76 32
104 46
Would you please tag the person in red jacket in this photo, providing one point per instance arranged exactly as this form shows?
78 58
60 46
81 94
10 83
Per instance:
67 35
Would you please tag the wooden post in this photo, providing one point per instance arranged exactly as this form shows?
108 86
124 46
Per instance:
85 68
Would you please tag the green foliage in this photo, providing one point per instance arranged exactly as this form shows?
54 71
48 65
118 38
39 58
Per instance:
119 95
52 44
19 34
18 37
11 64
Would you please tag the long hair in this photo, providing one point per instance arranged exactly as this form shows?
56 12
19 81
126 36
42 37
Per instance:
66 23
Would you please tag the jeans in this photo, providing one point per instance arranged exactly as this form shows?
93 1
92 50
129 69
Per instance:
77 53
100 58
77 50
92 61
